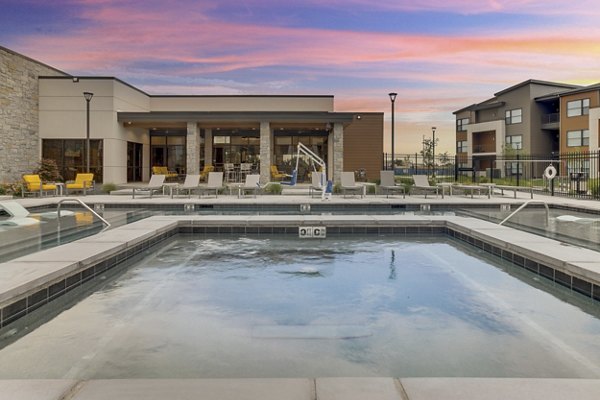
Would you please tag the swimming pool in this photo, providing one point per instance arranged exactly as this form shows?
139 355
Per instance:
273 306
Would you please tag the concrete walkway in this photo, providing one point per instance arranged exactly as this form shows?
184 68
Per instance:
304 389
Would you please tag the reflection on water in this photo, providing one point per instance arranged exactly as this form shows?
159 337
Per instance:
270 307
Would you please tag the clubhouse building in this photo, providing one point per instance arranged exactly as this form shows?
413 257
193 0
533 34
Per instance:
44 115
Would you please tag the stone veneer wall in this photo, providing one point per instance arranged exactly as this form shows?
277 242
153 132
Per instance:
19 114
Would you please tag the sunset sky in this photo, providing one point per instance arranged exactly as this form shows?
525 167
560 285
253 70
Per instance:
439 55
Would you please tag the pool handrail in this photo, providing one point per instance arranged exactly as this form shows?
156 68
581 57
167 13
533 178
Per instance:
84 205
525 205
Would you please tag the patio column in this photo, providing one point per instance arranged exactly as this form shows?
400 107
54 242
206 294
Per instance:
338 151
208 147
266 149
193 149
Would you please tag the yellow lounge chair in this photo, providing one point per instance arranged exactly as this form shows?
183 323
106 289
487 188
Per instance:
158 170
33 184
83 182
276 175
207 170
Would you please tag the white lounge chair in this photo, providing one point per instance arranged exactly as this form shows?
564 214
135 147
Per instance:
422 183
316 185
191 183
388 184
215 182
349 184
156 183
18 215
252 184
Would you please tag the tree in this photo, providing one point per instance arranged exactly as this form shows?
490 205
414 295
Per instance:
427 153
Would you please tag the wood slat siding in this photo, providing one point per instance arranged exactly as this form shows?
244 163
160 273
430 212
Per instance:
363 144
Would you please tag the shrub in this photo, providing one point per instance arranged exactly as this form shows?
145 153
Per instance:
274 188
109 187
594 187
48 170
337 188
3 190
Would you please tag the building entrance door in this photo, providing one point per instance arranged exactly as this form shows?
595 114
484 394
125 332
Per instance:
134 162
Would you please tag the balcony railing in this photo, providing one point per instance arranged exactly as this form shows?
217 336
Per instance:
551 118
480 148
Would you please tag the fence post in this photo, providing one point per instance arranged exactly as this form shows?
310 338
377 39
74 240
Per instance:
518 170
456 168
416 164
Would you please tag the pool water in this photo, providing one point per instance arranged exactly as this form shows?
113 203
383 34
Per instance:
274 307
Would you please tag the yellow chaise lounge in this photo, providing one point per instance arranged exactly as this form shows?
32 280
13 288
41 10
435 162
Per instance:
83 182
33 184
158 170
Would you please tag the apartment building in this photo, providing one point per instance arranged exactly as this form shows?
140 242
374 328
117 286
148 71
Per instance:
44 114
523 117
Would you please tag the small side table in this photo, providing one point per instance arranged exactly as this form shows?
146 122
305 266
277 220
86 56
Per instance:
60 189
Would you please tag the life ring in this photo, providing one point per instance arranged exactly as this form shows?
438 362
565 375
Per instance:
550 172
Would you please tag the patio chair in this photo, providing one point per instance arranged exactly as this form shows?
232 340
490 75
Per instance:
422 183
191 183
316 184
159 170
215 182
349 184
252 184
229 172
205 171
388 184
156 183
245 169
20 216
33 184
276 174
82 182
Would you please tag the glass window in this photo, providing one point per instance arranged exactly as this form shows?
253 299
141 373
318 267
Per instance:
578 107
578 165
461 146
70 156
578 138
515 142
513 116
461 124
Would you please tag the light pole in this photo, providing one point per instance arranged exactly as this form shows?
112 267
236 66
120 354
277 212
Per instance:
393 99
88 97
433 149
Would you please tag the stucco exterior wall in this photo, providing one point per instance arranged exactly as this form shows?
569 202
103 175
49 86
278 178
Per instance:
19 140
242 103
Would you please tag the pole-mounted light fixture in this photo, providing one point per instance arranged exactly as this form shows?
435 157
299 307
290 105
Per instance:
88 97
433 128
393 99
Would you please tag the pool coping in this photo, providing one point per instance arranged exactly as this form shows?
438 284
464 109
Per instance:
29 282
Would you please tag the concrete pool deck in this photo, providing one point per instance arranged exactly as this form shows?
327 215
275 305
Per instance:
303 389
25 276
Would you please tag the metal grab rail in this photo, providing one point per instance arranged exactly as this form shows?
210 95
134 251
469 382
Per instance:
84 205
525 205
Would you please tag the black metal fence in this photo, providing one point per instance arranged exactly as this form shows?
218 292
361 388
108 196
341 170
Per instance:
568 174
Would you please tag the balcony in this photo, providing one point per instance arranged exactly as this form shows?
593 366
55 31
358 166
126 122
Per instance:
551 121
484 148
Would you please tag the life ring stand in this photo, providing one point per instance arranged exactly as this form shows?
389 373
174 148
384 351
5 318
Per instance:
550 172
